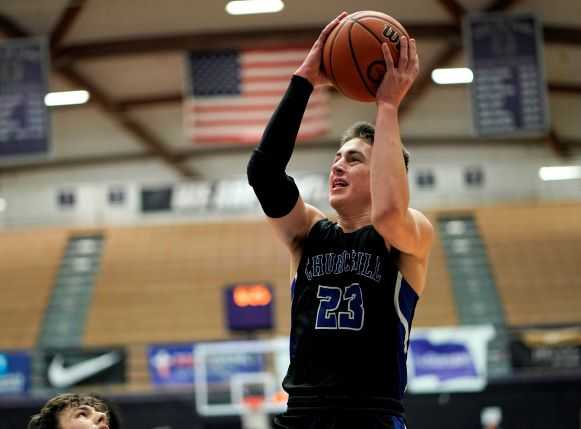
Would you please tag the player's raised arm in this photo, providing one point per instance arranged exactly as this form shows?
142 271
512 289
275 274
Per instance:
276 191
406 229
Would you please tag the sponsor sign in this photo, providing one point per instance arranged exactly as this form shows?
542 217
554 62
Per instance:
545 349
448 359
74 366
14 373
171 364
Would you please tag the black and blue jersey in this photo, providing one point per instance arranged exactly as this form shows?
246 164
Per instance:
351 316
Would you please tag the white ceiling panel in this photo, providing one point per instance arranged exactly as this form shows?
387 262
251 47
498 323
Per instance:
109 19
35 16
136 75
80 132
165 121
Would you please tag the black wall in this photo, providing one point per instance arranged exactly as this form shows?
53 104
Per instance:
541 404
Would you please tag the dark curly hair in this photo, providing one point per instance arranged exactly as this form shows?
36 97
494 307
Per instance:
48 416
366 131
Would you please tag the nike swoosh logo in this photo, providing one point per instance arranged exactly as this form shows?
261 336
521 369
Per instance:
59 376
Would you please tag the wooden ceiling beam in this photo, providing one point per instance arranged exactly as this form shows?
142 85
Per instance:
560 147
147 139
565 88
454 9
221 40
235 148
227 40
177 97
10 28
65 23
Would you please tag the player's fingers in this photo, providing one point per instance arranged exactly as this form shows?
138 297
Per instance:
387 57
413 57
329 27
403 53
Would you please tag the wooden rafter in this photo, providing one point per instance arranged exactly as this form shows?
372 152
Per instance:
199 152
177 97
203 41
108 105
559 146
65 23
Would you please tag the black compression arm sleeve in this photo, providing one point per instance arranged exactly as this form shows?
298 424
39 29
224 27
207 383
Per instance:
275 190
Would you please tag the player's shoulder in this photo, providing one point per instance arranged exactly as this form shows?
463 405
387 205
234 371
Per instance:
423 223
314 216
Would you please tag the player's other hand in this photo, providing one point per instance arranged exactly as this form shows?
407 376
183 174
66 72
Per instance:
312 68
398 80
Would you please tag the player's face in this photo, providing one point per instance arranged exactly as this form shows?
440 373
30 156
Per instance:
83 417
349 177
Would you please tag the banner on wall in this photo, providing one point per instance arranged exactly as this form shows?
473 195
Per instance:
171 364
545 349
448 359
14 373
73 366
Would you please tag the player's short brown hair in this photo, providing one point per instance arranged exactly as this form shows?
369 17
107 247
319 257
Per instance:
48 416
366 131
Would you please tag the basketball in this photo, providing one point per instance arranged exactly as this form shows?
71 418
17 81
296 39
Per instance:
352 56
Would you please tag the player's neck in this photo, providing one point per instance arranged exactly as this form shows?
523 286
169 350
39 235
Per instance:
351 222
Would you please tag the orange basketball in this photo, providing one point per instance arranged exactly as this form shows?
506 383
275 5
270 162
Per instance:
352 57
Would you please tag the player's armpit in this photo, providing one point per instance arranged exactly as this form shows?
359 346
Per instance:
410 233
293 228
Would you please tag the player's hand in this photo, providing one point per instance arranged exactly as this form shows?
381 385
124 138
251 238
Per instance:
312 66
398 80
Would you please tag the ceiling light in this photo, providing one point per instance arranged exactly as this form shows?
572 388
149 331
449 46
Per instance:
247 7
66 98
560 173
452 76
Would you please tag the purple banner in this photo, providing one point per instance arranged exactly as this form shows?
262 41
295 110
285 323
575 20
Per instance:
171 364
14 373
24 120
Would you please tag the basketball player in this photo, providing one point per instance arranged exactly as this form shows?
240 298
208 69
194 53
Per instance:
75 411
357 280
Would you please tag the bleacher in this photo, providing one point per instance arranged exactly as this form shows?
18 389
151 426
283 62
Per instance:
535 253
436 305
163 284
29 261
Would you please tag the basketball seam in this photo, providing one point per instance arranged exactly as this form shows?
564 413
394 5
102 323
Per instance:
385 21
331 55
354 58
370 32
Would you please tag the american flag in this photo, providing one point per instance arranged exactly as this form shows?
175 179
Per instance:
233 93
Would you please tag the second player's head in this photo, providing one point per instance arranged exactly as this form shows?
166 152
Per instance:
72 411
349 178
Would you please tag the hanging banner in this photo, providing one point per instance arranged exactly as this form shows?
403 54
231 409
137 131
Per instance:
509 92
24 120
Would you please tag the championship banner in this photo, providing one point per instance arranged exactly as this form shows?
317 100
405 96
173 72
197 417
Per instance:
171 364
509 92
24 119
545 349
448 359
71 366
14 373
